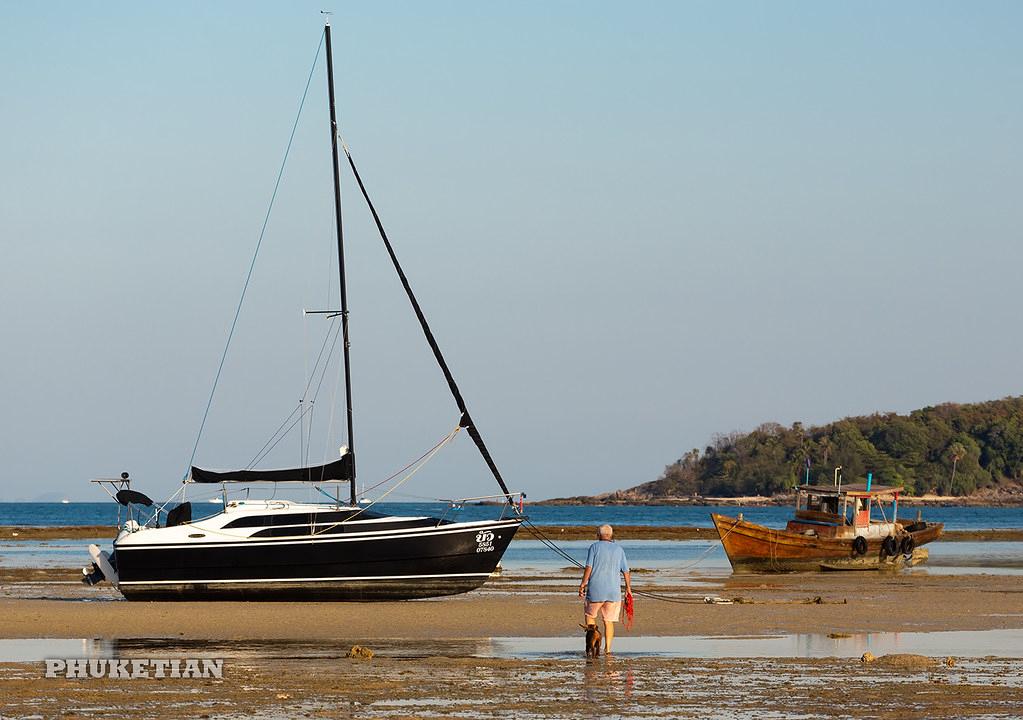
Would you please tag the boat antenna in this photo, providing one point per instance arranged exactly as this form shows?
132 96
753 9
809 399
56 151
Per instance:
465 420
340 250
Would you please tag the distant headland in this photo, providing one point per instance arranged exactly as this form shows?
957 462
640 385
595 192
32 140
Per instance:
955 454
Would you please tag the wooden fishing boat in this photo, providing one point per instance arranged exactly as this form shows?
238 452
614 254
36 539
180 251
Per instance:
833 529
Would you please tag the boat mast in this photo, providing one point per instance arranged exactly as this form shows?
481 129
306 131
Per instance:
340 253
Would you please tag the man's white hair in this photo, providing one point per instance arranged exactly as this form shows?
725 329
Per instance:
604 532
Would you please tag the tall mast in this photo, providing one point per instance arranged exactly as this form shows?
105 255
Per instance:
340 254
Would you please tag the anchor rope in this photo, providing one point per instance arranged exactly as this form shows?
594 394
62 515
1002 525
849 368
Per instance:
662 597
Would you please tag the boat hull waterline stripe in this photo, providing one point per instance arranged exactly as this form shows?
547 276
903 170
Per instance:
314 579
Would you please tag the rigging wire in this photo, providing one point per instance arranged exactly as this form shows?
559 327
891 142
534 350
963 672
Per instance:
422 463
316 365
411 464
424 459
273 437
252 264
305 374
306 409
319 385
312 374
332 416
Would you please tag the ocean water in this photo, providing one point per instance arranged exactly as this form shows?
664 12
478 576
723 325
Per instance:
529 556
955 518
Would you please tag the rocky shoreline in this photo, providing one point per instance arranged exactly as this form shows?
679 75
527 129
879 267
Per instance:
1007 498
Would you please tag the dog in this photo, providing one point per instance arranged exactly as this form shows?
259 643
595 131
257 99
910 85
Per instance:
593 638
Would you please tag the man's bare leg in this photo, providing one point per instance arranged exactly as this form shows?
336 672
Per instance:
609 635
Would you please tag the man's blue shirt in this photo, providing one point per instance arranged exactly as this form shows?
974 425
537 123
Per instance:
608 562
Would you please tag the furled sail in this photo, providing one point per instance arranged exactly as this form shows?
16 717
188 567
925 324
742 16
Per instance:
337 471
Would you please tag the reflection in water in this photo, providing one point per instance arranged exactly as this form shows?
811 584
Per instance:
964 643
606 681
607 672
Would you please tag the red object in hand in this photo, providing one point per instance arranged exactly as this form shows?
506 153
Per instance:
630 611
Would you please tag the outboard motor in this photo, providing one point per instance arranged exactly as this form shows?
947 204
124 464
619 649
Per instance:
104 567
92 575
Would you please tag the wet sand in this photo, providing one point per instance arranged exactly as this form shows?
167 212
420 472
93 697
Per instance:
438 679
471 687
48 603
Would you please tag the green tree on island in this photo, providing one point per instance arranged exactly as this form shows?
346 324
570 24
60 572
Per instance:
956 448
957 452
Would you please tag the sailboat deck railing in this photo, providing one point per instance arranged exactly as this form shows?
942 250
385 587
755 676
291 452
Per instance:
512 501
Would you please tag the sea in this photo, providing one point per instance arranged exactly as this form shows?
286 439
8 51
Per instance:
695 557
954 517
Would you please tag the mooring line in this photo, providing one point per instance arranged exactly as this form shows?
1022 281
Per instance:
539 535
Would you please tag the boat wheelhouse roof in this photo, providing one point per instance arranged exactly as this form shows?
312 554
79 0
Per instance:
852 490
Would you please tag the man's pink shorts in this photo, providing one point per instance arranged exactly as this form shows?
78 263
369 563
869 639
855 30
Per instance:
610 611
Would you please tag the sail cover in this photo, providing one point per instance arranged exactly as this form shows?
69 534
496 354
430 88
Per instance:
339 470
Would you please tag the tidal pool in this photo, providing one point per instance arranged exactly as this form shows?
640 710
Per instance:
958 643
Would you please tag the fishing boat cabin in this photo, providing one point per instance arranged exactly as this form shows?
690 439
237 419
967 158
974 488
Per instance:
846 511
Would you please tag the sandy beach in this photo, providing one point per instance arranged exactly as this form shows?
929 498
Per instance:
37 604
451 656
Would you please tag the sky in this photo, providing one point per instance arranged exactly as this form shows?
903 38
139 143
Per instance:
632 226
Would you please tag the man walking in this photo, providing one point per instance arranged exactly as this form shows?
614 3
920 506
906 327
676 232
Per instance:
601 585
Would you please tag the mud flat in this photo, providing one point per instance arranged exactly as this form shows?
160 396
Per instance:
66 532
429 661
473 687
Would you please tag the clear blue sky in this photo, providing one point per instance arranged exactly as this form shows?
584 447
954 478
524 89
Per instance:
632 226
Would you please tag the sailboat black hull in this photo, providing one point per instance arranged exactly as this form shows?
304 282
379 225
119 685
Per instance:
419 563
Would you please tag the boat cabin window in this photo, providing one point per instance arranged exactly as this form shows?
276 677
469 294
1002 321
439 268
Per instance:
827 503
303 518
822 503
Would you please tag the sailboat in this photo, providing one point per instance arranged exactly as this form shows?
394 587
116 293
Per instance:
279 549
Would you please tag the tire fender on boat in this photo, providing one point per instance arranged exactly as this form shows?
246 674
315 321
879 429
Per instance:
889 546
859 545
908 545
